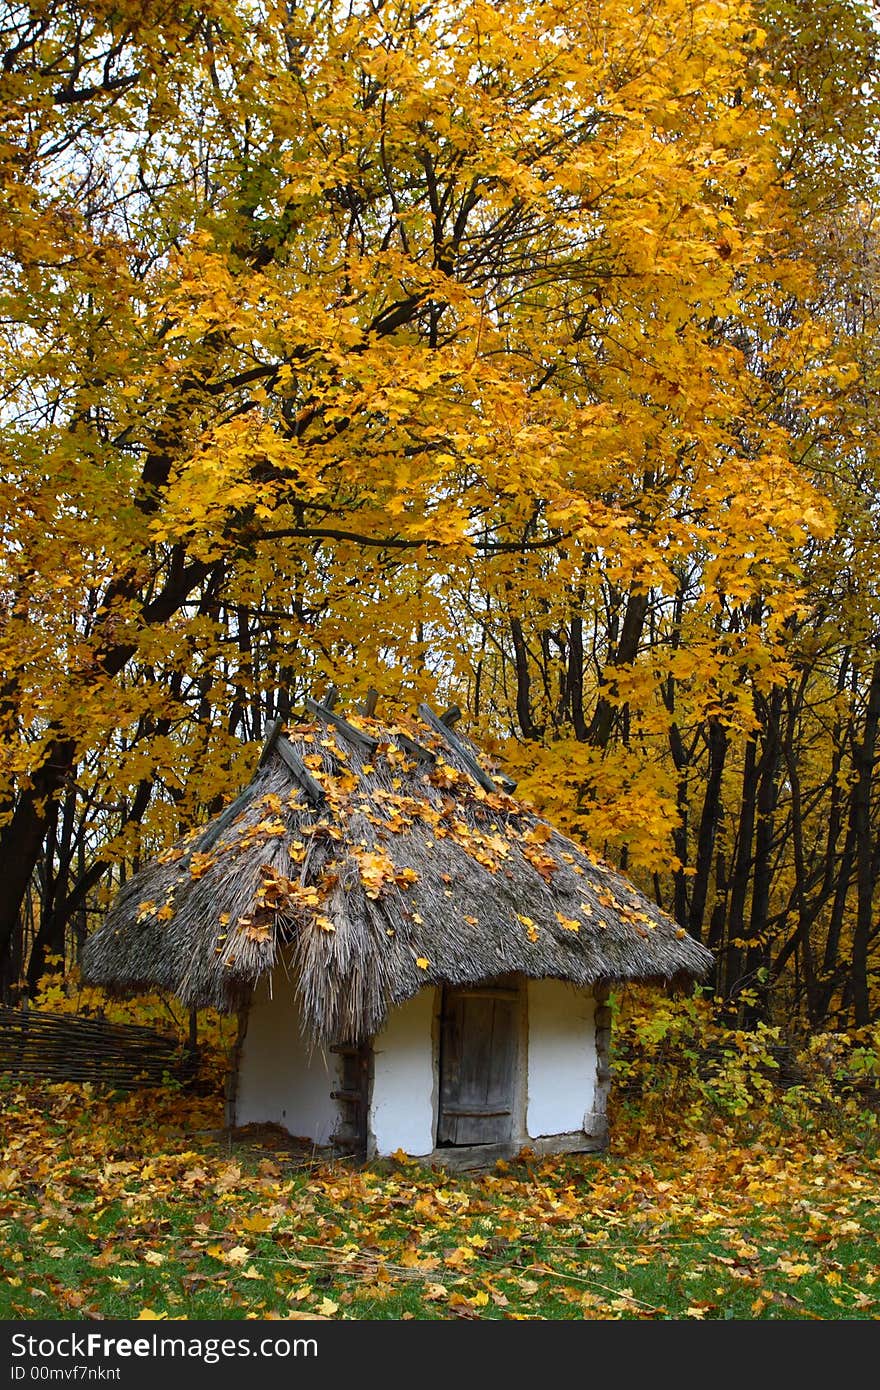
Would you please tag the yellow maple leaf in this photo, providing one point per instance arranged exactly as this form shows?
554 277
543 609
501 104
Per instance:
257 1222
530 925
237 1255
539 834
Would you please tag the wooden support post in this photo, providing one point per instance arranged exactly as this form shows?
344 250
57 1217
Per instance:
368 707
602 1023
192 1047
232 1076
353 1095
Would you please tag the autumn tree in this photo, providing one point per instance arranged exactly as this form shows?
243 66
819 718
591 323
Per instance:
342 339
698 722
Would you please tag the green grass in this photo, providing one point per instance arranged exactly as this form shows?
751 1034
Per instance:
113 1206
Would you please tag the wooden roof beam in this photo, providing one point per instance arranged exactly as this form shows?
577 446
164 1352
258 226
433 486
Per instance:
480 777
415 750
274 742
271 739
361 740
215 828
451 717
313 790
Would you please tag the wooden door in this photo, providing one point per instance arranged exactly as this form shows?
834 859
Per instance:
356 1071
478 1053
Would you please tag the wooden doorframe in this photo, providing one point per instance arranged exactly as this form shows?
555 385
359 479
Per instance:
353 1097
592 1139
509 989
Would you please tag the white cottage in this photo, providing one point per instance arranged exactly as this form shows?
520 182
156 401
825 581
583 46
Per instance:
457 1076
418 961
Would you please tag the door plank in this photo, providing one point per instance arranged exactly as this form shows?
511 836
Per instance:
477 1067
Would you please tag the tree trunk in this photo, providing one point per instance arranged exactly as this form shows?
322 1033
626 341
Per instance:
741 877
523 682
576 676
599 732
864 755
710 819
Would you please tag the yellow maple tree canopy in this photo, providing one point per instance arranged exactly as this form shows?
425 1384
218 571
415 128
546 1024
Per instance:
512 353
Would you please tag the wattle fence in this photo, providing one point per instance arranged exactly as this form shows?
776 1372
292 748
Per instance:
68 1047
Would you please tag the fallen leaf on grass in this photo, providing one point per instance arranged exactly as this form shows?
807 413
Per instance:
257 1223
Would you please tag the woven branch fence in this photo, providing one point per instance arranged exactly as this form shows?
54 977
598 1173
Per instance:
67 1047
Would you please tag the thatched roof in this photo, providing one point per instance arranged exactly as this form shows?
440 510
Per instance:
372 861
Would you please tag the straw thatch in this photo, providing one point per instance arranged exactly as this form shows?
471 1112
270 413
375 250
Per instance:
368 874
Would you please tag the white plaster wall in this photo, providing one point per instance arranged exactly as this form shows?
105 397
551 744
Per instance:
281 1079
561 1058
404 1091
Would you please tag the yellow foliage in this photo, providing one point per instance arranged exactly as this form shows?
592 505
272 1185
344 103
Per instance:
484 313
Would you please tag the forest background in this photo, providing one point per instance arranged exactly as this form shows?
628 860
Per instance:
519 355
522 355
